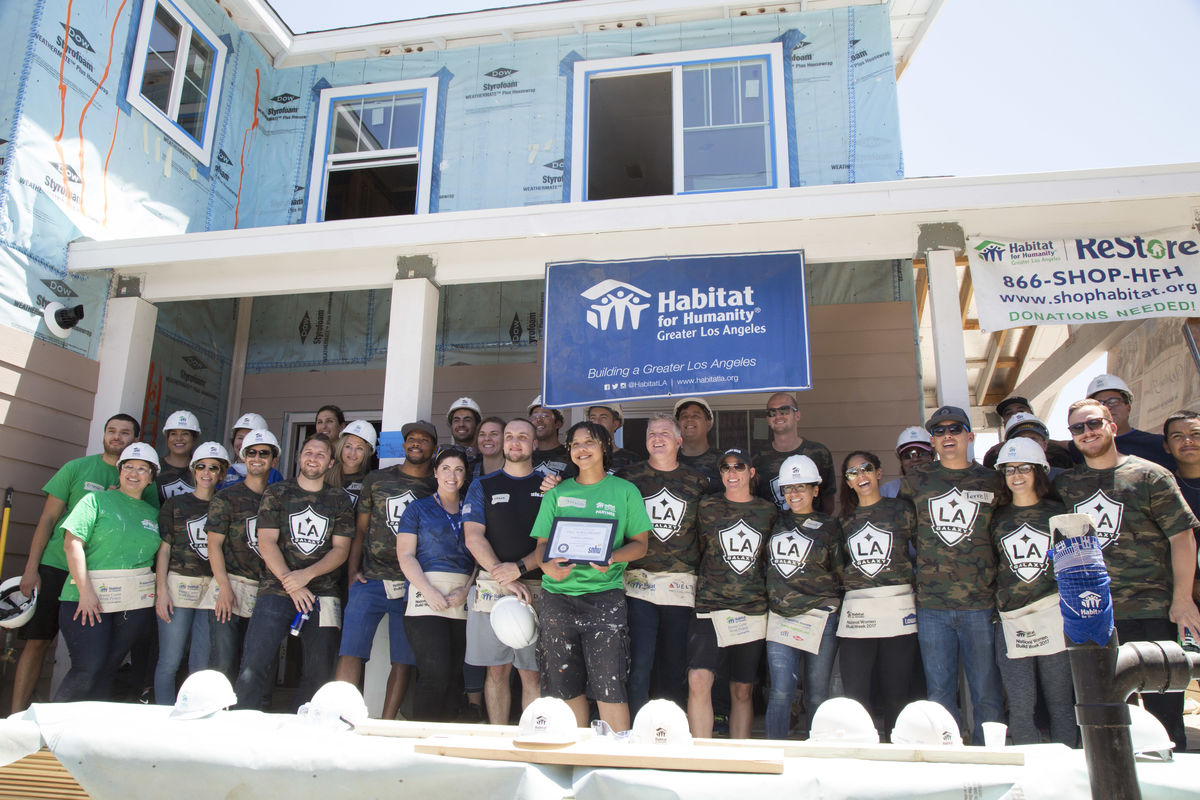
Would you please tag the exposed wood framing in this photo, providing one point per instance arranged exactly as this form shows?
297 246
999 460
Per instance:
984 382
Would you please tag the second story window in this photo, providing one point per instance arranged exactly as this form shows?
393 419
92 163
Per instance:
175 79
373 151
697 121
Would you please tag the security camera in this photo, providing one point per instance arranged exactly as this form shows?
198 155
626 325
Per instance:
60 319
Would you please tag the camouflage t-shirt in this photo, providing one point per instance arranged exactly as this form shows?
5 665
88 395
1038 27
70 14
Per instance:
183 525
956 565
307 522
1021 536
673 502
554 461
708 465
1137 507
768 462
875 542
622 459
803 558
385 494
172 481
352 486
233 513
733 537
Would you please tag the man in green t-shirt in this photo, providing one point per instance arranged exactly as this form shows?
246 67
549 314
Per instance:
583 641
46 567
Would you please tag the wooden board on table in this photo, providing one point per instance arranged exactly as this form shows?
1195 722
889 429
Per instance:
878 752
599 753
405 729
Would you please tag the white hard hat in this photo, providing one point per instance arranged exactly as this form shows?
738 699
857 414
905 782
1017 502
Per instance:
203 694
798 469
141 451
467 403
250 421
363 430
1020 450
259 436
661 722
615 408
547 720
700 401
1023 420
1109 383
514 623
1148 734
913 434
924 722
537 401
841 719
182 421
335 705
210 450
15 608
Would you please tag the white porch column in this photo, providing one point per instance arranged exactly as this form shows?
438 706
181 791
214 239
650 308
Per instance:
124 363
950 358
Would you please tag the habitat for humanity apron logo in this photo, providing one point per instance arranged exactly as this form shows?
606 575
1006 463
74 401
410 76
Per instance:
615 301
1106 513
308 530
1026 549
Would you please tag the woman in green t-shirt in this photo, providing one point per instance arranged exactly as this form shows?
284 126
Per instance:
110 539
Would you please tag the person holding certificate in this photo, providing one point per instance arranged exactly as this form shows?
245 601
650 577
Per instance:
1030 649
110 539
803 594
588 528
440 571
731 598
877 631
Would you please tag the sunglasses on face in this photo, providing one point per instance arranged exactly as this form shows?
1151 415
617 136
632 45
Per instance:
1093 424
208 467
738 467
912 453
259 454
947 430
865 469
1019 469
783 410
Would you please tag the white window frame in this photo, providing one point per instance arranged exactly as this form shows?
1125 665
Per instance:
318 181
586 71
189 22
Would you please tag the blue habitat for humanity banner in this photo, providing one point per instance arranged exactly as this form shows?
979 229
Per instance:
657 327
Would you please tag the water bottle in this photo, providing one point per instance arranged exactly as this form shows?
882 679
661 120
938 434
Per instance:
302 617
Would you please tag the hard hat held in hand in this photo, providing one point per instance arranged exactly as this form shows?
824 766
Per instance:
15 608
514 623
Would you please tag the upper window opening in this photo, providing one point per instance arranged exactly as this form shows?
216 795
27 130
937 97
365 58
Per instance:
176 75
692 122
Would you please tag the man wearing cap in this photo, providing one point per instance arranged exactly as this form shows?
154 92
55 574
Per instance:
305 527
550 456
376 580
1146 530
46 567
695 419
912 448
783 419
609 416
954 498
237 470
660 587
1027 426
182 430
498 514
1115 395
1014 406
233 554
464 418
733 529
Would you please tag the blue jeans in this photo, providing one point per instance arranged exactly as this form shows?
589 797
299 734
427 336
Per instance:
951 636
784 664
187 632
226 644
658 652
268 628
97 650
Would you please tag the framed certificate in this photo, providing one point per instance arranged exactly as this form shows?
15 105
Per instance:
581 540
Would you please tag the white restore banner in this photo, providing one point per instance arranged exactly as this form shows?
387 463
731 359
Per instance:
1086 279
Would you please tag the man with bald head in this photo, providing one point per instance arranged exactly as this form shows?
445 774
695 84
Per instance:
783 419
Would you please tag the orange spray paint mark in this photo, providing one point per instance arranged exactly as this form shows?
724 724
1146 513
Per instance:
108 64
242 159
104 186
62 104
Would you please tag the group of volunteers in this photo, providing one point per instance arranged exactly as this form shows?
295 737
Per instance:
709 561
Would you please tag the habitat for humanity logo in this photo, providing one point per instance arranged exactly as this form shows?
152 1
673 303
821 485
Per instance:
614 302
990 251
